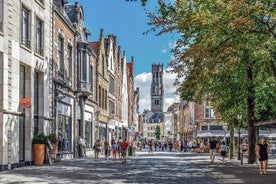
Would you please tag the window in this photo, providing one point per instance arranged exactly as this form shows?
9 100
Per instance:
70 69
25 28
1 15
36 101
156 102
209 112
60 55
39 36
85 67
204 127
91 78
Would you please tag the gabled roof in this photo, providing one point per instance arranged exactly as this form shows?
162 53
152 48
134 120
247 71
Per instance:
156 117
95 46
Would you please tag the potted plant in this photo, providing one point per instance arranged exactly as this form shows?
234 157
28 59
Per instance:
53 139
39 142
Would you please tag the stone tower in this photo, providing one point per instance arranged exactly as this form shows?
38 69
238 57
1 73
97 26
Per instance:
157 91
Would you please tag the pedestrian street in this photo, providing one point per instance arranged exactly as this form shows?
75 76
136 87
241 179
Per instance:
161 168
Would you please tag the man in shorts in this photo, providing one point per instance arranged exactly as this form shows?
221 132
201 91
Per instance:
124 147
213 149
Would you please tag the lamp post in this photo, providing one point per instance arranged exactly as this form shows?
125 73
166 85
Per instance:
239 117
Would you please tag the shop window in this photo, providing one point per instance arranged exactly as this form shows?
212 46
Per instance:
88 134
64 128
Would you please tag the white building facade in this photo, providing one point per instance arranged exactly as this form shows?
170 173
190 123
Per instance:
25 55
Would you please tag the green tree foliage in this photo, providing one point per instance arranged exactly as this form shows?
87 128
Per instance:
227 50
157 132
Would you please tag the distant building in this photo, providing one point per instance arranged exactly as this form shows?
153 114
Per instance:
157 90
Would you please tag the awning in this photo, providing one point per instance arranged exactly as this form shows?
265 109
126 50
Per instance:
268 124
211 133
127 129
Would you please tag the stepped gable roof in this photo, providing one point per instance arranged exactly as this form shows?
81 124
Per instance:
130 68
156 117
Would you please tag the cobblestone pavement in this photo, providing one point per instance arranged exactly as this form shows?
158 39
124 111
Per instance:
162 168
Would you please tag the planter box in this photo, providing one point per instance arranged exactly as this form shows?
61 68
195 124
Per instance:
39 154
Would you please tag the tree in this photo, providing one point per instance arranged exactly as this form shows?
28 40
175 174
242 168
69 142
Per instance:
157 132
226 50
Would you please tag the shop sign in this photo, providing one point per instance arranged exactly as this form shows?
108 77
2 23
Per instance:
103 125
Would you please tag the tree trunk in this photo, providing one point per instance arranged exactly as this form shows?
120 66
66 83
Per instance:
231 149
250 109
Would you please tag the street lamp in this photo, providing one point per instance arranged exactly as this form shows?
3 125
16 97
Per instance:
239 117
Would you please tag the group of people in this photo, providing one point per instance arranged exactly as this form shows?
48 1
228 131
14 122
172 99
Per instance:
115 147
175 146
262 152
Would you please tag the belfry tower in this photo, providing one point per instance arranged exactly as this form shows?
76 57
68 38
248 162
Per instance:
157 91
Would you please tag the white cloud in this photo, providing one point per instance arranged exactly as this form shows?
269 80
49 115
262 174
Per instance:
164 51
143 81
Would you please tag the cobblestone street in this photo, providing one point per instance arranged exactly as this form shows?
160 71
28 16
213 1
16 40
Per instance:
162 167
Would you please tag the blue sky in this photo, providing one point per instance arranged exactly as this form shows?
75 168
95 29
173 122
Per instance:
128 21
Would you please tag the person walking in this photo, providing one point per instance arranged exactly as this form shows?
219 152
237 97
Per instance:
150 146
124 147
97 149
114 150
106 147
119 142
212 147
223 150
262 153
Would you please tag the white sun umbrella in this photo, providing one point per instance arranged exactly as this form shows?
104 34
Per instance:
228 134
206 134
272 135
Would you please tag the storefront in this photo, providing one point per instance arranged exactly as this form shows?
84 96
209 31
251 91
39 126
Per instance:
102 131
64 124
88 126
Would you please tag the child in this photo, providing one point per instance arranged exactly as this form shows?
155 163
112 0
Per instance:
114 150
223 149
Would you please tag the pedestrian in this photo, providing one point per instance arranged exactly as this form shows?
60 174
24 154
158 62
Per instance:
202 147
223 150
134 147
82 144
124 147
212 147
262 153
114 150
119 142
106 149
244 146
150 146
97 149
